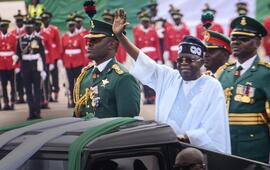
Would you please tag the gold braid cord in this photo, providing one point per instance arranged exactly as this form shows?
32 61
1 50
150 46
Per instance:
76 92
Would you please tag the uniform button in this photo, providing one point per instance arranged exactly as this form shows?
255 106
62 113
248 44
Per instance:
252 135
88 106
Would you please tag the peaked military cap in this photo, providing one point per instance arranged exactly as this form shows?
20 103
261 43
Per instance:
144 16
152 3
78 17
70 19
19 16
216 40
207 8
4 22
108 14
38 20
29 22
175 13
247 26
46 14
101 29
192 45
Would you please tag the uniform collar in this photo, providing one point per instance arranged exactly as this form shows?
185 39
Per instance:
103 65
80 30
247 64
71 34
144 29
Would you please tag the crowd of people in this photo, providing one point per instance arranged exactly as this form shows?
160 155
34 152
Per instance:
223 107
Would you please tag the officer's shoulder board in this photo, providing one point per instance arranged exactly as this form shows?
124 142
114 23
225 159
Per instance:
222 68
87 67
263 63
117 69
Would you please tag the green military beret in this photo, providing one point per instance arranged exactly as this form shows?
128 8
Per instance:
247 26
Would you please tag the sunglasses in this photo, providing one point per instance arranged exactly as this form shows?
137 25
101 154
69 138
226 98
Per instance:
94 40
242 38
188 60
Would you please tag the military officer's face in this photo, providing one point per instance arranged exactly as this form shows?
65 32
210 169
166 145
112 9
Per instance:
78 24
19 23
189 66
71 27
98 48
145 23
4 28
215 58
244 46
29 29
46 20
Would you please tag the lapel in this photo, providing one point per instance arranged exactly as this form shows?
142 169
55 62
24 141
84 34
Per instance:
249 72
104 73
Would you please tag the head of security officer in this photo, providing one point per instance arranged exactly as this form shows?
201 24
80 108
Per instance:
190 57
19 19
29 26
4 24
218 50
246 37
102 44
71 24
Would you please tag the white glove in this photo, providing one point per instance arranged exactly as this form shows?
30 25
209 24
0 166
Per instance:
51 67
43 75
166 55
17 70
40 64
14 59
60 63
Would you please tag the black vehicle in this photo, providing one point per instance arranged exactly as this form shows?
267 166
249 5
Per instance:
137 145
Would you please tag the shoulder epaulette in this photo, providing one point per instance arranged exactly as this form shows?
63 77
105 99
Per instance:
221 68
117 69
87 67
263 63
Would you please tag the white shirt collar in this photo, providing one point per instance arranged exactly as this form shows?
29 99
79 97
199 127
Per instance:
144 29
246 65
79 30
102 66
71 34
188 85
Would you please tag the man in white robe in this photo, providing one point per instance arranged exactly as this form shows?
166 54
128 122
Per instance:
191 103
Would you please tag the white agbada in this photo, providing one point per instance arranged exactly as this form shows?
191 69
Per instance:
206 123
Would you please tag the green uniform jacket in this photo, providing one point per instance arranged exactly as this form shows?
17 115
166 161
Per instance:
246 97
114 93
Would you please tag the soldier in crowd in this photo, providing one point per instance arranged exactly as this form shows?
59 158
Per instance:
55 54
146 38
82 31
121 54
246 88
7 50
46 40
18 32
105 89
214 26
173 35
218 51
30 51
73 56
242 10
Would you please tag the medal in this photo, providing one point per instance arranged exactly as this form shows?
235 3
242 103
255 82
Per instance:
245 99
237 97
34 44
105 82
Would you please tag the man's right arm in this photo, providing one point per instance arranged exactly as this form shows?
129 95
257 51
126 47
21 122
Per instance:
118 29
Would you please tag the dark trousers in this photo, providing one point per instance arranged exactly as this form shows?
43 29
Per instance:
45 87
31 80
8 76
72 74
19 85
54 79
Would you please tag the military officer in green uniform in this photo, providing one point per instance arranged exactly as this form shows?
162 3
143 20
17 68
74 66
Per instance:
105 89
246 87
218 51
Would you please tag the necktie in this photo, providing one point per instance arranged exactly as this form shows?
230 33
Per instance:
237 72
96 73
